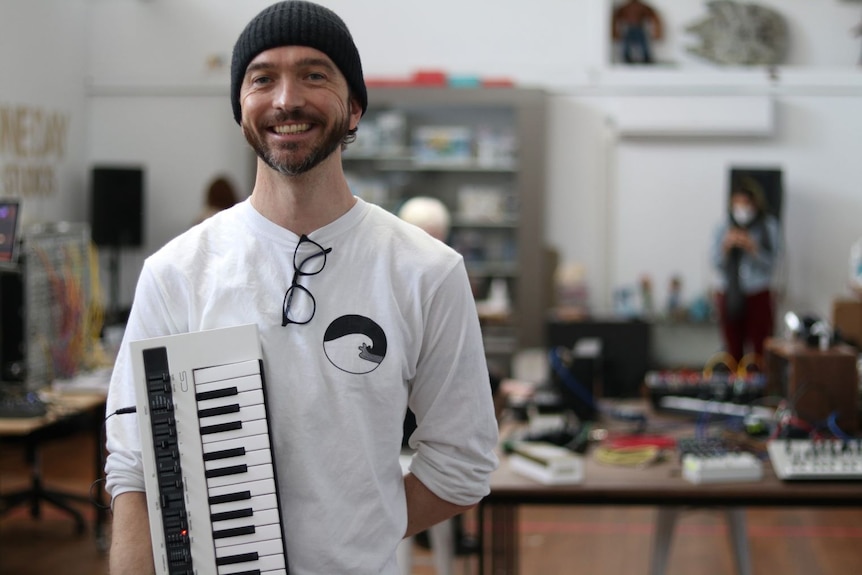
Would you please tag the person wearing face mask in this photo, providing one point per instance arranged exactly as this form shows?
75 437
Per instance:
744 254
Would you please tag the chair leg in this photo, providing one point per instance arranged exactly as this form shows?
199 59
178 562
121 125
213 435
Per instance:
442 538
665 523
739 539
404 556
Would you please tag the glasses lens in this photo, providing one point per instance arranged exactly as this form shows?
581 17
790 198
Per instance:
309 258
299 305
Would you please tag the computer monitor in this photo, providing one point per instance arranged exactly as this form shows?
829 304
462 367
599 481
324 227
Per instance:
9 209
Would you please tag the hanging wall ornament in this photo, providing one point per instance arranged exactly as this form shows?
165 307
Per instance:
740 34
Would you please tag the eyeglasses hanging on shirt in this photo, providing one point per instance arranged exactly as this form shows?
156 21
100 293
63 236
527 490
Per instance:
299 305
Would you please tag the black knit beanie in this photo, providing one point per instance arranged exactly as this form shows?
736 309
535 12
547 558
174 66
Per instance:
297 23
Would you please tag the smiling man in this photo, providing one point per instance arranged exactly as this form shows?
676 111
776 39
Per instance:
360 315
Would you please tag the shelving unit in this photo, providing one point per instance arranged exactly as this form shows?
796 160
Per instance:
481 152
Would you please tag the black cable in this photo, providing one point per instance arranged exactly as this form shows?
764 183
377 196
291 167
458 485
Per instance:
102 442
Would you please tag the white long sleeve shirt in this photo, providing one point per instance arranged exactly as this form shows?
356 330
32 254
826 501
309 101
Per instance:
395 325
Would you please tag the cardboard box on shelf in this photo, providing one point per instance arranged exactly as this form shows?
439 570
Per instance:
847 319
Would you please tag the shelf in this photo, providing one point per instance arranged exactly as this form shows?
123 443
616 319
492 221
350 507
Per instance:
410 164
481 152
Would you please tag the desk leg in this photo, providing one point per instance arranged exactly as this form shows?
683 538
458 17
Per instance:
498 540
664 524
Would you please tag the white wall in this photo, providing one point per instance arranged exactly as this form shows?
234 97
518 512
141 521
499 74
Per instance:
614 203
43 66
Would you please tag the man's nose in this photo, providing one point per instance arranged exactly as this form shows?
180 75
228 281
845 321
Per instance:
289 95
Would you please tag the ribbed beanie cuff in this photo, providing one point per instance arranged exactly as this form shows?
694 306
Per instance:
297 23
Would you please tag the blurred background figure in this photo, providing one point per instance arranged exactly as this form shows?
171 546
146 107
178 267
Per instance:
430 214
220 196
745 252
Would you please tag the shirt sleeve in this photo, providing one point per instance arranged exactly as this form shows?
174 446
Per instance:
456 434
149 317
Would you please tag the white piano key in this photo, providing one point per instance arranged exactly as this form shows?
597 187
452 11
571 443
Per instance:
255 488
262 532
249 443
249 413
253 474
253 397
264 564
247 383
226 371
264 517
256 457
257 503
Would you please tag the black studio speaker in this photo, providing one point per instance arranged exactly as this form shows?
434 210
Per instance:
117 206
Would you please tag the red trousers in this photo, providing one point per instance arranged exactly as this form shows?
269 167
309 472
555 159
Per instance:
747 334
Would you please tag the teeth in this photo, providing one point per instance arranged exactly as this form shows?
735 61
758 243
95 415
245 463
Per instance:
292 128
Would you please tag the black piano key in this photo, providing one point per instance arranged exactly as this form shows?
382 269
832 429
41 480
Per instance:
234 559
250 572
221 427
234 532
237 514
222 471
221 410
224 454
228 497
224 392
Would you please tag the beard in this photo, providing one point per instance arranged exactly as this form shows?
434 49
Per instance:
285 158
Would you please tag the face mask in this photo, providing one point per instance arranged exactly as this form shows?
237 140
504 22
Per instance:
743 215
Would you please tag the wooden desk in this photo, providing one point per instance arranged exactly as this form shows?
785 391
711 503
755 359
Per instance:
659 485
65 412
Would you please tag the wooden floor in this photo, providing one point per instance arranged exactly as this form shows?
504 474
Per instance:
553 541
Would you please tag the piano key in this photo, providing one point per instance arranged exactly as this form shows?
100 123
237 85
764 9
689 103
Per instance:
234 559
227 371
257 457
247 383
250 397
264 565
249 413
254 488
254 473
265 517
235 425
256 503
264 547
243 429
237 531
216 455
218 410
235 514
261 533
249 443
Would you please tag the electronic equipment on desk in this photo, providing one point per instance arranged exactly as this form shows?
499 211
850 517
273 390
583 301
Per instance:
20 403
729 392
545 462
816 459
714 460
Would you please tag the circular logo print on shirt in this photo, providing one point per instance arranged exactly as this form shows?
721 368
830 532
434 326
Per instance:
354 344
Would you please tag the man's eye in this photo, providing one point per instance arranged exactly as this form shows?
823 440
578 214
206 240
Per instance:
260 80
316 76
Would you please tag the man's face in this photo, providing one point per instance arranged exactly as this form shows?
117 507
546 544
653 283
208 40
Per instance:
296 108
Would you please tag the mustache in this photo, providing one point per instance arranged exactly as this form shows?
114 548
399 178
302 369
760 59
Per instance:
299 116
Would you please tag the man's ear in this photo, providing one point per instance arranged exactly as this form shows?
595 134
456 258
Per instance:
355 112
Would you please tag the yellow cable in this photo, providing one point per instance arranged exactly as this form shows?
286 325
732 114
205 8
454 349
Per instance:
747 361
634 456
719 358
